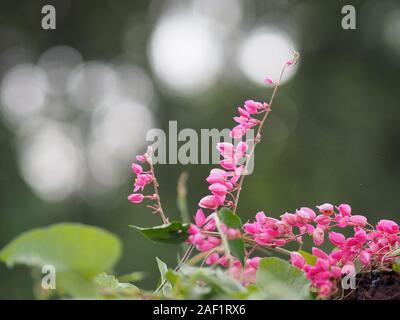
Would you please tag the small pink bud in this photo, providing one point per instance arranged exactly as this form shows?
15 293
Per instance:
358 220
344 209
228 164
365 258
318 236
218 189
200 218
141 157
225 148
319 253
251 106
260 217
360 235
336 238
241 147
250 228
237 132
209 202
136 197
388 226
193 230
212 259
136 168
325 208
269 81
323 219
297 260
216 176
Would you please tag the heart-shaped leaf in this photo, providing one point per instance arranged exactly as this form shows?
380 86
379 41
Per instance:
278 279
77 252
174 232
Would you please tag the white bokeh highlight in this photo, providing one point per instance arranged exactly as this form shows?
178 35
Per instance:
264 52
23 93
184 53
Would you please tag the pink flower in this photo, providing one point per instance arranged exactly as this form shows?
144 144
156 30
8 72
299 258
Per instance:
318 236
344 209
319 253
200 218
218 189
209 202
252 106
142 158
289 218
269 81
242 147
358 220
243 113
225 148
310 212
323 219
251 228
297 260
325 208
136 168
136 197
360 235
365 258
212 259
388 226
216 176
228 164
336 238
237 132
260 217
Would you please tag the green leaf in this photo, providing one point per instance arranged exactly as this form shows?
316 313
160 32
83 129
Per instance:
396 265
278 279
109 286
231 220
174 232
77 252
132 277
204 283
163 268
310 258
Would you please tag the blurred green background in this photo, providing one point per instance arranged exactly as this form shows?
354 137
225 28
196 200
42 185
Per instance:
76 103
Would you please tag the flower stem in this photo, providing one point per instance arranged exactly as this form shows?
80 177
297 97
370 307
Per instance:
251 154
155 186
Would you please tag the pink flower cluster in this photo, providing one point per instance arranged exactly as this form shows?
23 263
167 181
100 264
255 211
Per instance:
368 244
224 181
143 178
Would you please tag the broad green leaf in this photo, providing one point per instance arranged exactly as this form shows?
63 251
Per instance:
163 268
310 258
174 232
278 279
77 252
231 220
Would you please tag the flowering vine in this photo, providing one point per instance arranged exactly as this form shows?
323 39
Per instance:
371 246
